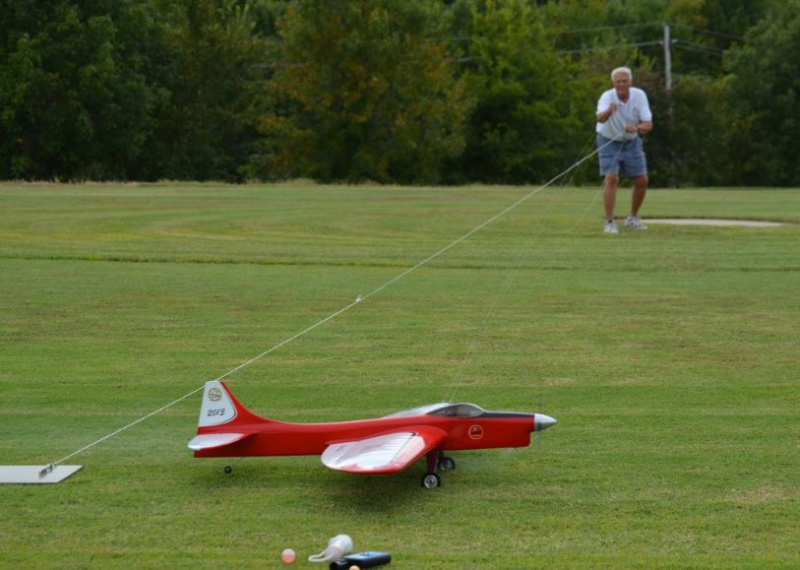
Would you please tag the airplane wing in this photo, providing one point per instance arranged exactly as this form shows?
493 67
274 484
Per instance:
384 453
212 440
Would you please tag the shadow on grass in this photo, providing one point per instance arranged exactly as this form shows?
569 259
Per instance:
304 480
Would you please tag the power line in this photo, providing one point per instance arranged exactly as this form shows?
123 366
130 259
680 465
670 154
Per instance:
709 32
637 44
698 47
605 28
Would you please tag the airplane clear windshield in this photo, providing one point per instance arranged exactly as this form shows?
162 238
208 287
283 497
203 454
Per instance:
419 411
460 411
442 409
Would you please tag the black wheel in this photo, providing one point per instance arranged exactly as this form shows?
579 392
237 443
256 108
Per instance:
431 481
228 469
447 463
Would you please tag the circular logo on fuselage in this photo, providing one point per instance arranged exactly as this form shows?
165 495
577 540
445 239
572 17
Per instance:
215 394
475 432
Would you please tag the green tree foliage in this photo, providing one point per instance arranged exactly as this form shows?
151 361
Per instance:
408 91
207 127
530 102
118 90
75 103
704 29
690 146
764 102
363 89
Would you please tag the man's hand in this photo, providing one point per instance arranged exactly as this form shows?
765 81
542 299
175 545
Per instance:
603 117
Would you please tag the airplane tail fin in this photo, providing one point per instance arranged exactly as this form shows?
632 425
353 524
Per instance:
220 407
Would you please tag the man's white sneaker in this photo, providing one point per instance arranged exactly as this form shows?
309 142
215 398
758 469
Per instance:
635 222
611 227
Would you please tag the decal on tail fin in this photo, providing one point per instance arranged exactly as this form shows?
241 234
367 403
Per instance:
217 407
223 421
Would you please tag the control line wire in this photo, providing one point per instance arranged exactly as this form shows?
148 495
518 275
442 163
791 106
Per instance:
493 305
347 307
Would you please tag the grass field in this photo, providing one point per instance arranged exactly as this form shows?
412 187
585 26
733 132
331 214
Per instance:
671 359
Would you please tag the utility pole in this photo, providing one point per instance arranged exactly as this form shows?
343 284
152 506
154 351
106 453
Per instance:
667 58
670 111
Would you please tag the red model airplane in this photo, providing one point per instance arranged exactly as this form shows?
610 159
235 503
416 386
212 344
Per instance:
374 446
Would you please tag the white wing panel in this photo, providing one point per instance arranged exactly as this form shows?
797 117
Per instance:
383 453
211 440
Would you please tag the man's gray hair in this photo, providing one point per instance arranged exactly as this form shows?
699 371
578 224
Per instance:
626 70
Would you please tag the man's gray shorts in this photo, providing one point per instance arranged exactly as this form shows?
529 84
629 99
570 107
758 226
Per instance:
624 158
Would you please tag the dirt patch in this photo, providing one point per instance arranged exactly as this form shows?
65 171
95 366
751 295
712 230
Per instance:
710 222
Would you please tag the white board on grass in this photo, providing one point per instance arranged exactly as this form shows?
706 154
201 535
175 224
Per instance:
36 474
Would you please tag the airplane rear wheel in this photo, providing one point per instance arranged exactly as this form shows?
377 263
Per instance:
447 463
431 481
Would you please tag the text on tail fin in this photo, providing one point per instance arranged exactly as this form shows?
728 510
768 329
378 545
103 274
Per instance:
217 407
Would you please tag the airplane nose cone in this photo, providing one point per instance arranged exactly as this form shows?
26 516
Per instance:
542 421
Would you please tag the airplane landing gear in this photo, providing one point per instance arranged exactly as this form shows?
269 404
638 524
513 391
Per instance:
431 480
446 463
436 460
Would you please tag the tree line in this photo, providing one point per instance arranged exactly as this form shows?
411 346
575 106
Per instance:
392 91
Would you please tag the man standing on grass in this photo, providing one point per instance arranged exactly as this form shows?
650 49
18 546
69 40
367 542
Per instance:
623 113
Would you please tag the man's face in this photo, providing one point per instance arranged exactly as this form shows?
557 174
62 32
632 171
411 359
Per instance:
622 83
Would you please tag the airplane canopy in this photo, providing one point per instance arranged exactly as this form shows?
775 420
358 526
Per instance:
442 409
459 411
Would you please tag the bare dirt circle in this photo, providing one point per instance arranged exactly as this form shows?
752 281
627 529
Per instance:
712 222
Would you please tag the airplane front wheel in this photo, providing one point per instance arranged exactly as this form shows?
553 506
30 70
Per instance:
431 481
